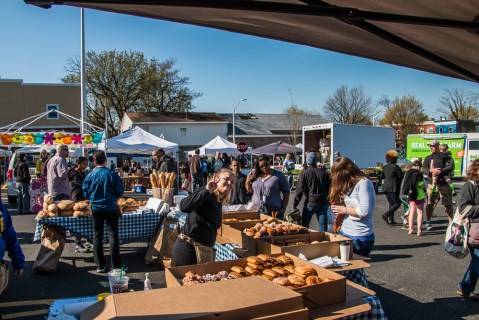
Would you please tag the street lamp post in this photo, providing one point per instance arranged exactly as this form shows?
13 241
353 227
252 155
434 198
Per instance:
234 112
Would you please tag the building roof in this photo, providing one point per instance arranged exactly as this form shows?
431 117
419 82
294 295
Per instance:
268 124
139 117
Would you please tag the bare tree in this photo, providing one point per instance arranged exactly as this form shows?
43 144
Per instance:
403 114
121 82
459 104
350 106
295 115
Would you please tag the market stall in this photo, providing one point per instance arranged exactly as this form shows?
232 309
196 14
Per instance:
218 144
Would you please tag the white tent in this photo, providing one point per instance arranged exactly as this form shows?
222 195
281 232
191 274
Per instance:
138 142
5 153
221 145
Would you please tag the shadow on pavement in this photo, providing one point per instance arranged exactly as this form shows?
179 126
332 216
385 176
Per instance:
387 257
441 308
394 247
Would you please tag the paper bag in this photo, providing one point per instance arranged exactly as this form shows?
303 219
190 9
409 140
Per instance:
52 245
160 251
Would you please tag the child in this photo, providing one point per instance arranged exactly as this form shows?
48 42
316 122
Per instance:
444 149
405 216
414 187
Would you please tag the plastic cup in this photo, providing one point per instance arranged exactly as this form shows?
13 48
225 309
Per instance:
345 250
114 276
119 286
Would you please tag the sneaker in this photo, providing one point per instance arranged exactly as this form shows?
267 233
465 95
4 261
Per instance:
404 219
405 227
80 249
468 296
429 227
385 218
88 245
102 270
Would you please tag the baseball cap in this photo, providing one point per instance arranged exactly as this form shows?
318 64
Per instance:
433 143
311 158
53 151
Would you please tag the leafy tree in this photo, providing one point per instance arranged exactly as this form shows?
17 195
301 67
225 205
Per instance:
118 82
350 106
403 114
459 104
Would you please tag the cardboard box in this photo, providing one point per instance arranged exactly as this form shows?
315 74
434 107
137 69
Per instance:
314 296
241 216
292 315
329 244
234 233
246 298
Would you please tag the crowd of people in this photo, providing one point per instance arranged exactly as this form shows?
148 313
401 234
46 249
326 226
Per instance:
343 196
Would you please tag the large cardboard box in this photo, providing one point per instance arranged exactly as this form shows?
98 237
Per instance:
314 296
328 244
246 298
234 233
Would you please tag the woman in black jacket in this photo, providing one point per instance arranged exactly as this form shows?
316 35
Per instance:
203 209
22 177
392 176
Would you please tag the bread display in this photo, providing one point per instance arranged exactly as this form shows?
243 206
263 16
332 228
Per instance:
274 227
65 205
129 204
286 275
63 208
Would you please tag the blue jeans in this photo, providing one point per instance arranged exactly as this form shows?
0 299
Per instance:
321 213
468 284
363 248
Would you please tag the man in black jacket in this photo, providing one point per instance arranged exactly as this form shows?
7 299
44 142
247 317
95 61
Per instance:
162 162
436 166
314 184
392 176
22 177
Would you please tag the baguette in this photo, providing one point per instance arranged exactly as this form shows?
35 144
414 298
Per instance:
153 180
172 180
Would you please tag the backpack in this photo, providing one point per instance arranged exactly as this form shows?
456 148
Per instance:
457 234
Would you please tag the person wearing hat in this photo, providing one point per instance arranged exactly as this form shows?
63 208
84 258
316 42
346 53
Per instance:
314 184
436 167
22 177
41 163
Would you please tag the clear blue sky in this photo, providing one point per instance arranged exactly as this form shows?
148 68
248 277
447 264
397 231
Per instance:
34 45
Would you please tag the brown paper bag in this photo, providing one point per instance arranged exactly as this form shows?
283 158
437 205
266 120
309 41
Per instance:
52 245
160 251
3 276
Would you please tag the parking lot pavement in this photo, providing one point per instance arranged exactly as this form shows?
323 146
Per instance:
413 277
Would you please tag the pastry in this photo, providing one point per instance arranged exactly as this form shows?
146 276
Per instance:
222 275
267 277
234 275
285 260
281 271
256 266
311 280
296 280
239 270
253 272
282 281
254 260
289 267
268 265
304 271
271 273
327 280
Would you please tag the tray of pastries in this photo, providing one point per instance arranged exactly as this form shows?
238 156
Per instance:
274 227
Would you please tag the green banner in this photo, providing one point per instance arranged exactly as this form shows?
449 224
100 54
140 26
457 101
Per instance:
417 148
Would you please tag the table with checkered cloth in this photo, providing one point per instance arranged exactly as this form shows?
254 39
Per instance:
131 226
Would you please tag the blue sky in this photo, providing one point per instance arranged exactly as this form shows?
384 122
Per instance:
224 66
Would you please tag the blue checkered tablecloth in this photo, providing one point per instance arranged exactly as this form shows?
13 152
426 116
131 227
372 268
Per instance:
357 276
131 226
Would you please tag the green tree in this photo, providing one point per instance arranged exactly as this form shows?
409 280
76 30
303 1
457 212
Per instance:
351 106
459 104
118 82
403 114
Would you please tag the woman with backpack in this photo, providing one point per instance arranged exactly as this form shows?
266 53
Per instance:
414 189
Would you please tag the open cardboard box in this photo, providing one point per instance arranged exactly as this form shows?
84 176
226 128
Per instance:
247 298
328 244
314 296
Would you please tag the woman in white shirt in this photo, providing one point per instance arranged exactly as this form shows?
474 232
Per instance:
352 195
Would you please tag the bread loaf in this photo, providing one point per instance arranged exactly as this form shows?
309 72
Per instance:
66 213
52 208
65 205
82 205
48 199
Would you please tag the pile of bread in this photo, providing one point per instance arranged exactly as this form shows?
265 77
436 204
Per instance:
129 205
64 208
162 180
274 227
280 270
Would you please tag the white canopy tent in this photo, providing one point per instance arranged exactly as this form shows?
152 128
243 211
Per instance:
138 142
221 145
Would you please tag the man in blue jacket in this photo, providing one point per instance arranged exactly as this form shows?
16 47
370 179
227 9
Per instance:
103 187
9 243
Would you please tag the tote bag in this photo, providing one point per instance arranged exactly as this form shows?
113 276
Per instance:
457 234
51 249
160 251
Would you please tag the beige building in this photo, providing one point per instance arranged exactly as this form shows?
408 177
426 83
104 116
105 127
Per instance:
19 101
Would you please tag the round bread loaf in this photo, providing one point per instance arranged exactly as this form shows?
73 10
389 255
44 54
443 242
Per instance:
296 280
52 208
66 213
282 281
65 205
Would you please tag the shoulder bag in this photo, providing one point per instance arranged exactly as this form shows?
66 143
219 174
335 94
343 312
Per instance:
457 234
204 253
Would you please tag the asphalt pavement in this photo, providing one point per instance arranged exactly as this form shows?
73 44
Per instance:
414 278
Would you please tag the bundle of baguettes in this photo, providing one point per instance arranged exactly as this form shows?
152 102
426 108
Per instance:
162 180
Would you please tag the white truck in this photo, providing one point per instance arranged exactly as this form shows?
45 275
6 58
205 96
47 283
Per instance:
365 145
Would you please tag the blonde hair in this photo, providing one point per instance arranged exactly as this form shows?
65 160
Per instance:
223 199
392 156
